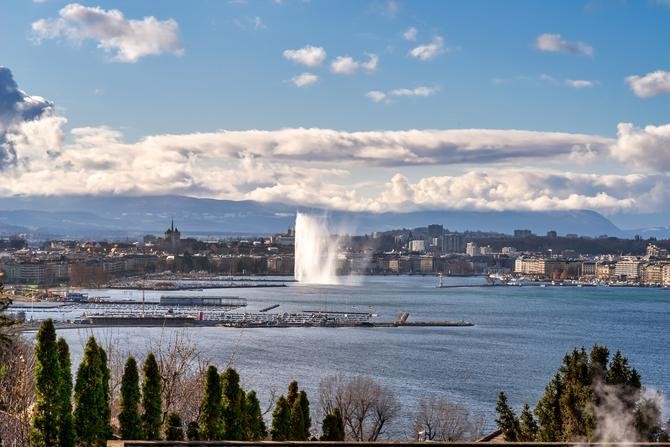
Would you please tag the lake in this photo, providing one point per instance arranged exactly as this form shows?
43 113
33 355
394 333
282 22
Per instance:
517 343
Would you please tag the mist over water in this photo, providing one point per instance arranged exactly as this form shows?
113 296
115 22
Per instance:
315 250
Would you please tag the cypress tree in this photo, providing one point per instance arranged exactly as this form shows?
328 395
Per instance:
88 420
297 431
527 425
174 430
193 431
507 420
333 426
233 422
66 422
210 424
292 394
105 408
151 400
306 417
255 425
44 427
281 420
129 416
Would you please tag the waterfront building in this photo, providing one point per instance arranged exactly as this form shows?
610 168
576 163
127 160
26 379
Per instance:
588 268
652 274
666 275
628 269
453 243
654 251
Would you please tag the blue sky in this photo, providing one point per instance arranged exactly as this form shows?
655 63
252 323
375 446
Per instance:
222 65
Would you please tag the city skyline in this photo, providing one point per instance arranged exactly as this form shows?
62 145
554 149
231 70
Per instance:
362 106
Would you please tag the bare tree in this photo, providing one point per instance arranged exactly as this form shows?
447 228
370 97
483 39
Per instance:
182 368
438 419
17 392
368 408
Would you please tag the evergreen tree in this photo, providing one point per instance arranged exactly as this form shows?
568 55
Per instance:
233 396
507 420
255 425
45 428
129 416
297 431
174 430
89 398
548 412
211 424
292 394
193 431
527 425
281 420
66 435
105 409
333 426
151 400
306 417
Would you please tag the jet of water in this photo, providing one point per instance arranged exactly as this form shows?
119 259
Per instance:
315 251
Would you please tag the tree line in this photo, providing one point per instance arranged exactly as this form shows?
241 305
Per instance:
590 398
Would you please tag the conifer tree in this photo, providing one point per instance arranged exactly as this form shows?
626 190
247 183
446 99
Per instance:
333 426
297 431
281 420
193 431
66 435
255 425
211 424
151 400
507 420
292 394
174 430
306 417
233 396
548 412
45 428
129 416
527 425
89 399
105 409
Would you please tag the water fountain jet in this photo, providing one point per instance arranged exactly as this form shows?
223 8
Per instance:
315 250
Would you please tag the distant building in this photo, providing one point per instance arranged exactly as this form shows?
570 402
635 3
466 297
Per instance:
552 234
523 233
453 243
417 246
656 252
435 230
628 269
472 249
172 240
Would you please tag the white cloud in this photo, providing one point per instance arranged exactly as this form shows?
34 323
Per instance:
309 56
305 79
645 148
376 95
126 40
379 96
579 83
428 51
348 66
554 43
417 91
410 34
344 65
651 84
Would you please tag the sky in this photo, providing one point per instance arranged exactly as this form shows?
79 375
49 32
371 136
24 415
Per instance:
377 105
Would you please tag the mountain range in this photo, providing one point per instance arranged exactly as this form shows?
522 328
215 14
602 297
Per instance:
120 217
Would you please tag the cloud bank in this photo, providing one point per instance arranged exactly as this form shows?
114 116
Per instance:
126 40
651 84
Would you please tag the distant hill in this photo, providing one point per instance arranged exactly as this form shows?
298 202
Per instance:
119 217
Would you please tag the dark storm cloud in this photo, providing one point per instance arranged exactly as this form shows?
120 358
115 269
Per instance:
16 107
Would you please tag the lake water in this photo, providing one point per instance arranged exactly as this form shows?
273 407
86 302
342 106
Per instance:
517 343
